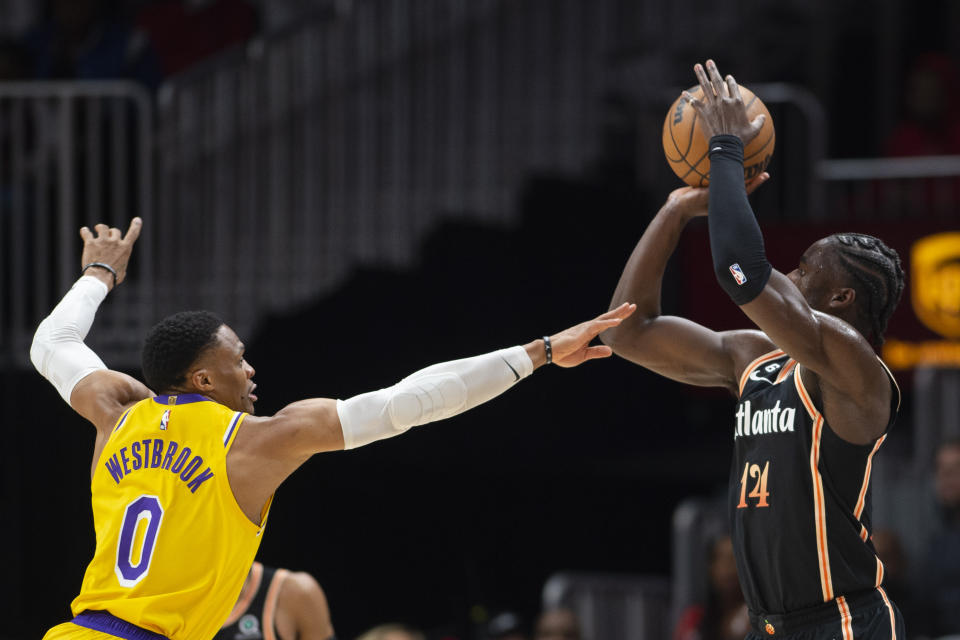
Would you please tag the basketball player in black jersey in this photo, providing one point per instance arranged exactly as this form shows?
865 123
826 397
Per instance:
815 401
276 604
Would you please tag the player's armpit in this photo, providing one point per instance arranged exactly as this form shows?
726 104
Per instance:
102 396
840 356
687 352
266 450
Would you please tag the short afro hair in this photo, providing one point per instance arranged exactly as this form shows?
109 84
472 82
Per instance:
175 343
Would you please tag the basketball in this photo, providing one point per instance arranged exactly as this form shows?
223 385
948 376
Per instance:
685 143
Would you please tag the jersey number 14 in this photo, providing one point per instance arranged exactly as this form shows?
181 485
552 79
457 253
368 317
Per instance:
759 490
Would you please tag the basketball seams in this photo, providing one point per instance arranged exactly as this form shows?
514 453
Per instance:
683 166
683 154
673 139
758 151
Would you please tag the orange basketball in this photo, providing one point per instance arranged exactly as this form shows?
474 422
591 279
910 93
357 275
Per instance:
685 143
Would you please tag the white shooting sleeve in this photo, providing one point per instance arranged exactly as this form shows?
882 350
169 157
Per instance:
58 351
437 392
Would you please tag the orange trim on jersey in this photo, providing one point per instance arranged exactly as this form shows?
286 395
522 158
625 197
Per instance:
756 363
787 368
863 533
819 507
879 572
846 624
270 605
805 397
256 574
895 385
861 501
893 620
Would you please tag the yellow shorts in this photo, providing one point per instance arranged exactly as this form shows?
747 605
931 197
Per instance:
70 631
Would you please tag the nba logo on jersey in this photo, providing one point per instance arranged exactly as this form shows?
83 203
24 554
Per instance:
737 273
165 420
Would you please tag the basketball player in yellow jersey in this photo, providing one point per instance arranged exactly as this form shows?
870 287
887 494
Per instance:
182 481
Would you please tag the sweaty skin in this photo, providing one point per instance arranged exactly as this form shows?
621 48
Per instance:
808 313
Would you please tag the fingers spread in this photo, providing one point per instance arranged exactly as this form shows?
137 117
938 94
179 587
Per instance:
693 102
733 88
134 231
621 312
102 230
719 88
599 351
755 183
705 84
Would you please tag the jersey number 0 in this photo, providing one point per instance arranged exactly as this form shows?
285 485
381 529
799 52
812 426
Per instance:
143 514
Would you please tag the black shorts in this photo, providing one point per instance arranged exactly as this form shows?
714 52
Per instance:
865 616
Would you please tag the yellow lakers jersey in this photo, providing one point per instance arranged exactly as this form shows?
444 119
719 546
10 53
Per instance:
173 546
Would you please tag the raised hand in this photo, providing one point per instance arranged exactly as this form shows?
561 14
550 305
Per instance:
110 246
572 347
692 201
722 110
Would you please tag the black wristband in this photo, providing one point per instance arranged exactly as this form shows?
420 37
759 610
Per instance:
727 146
102 265
548 349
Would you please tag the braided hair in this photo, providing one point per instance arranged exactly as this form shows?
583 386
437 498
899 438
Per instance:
877 269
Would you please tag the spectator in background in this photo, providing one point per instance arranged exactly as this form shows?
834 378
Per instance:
86 40
930 124
941 575
392 631
724 616
185 32
506 625
557 624
896 579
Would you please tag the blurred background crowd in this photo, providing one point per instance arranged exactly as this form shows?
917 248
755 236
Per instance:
362 187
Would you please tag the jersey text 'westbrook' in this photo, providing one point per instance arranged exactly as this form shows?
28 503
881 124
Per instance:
155 453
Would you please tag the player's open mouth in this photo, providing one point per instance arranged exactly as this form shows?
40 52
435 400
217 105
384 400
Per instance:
251 394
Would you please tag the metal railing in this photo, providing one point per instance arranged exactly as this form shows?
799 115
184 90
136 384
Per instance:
921 188
342 143
614 607
71 154
267 176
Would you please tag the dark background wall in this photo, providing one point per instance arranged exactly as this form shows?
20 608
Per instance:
572 469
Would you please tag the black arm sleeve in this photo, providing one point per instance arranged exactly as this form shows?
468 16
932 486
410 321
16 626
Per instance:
739 259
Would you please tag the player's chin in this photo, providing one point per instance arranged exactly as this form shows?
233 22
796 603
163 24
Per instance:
248 405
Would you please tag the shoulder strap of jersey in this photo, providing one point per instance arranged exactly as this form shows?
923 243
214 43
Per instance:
270 605
240 608
230 433
895 396
770 355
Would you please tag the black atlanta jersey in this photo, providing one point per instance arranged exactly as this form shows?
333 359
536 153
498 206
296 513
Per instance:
799 495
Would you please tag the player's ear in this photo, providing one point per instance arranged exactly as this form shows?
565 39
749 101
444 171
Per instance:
843 297
200 379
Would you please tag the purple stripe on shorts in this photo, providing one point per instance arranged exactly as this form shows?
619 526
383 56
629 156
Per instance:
108 623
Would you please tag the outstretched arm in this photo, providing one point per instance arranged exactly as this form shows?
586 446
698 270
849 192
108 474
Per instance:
851 380
58 351
671 346
267 450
